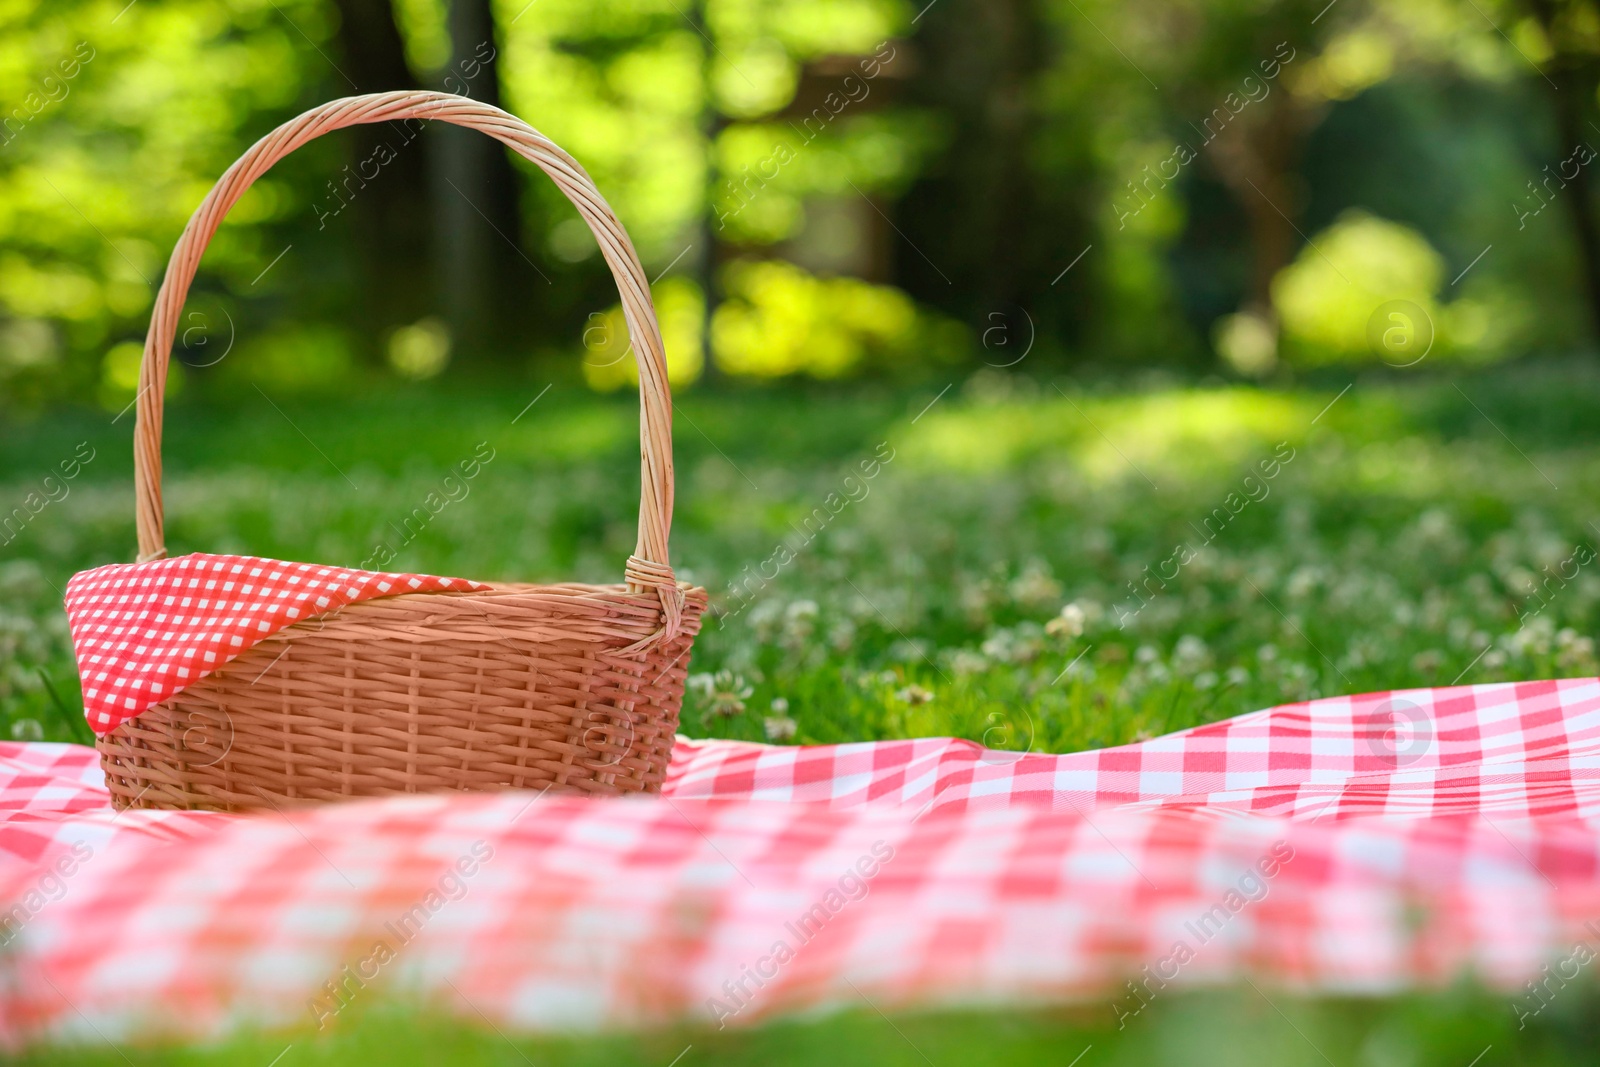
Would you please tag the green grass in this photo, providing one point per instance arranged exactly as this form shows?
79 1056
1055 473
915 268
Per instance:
1449 1028
1406 535
1410 540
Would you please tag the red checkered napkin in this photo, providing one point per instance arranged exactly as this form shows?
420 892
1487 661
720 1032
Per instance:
144 631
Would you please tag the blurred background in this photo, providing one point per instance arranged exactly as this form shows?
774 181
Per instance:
1204 354
1203 186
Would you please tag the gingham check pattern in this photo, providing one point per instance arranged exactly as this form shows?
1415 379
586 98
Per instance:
144 631
910 873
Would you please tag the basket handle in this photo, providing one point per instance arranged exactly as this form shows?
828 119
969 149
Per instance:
648 566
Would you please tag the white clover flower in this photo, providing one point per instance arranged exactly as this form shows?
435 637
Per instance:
909 650
726 694
1303 582
1534 638
842 637
799 622
1191 653
765 620
1070 623
779 727
1434 524
801 609
973 596
1020 645
1035 587
1427 661
1080 669
1574 654
965 661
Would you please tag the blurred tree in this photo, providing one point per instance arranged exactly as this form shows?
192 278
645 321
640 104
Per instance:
1571 70
708 260
1243 87
116 120
488 278
1251 81
722 131
386 180
1114 176
1001 208
1255 135
620 87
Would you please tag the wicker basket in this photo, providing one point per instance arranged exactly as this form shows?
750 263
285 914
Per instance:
569 686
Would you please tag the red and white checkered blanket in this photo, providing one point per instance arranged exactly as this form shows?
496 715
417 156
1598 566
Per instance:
1367 844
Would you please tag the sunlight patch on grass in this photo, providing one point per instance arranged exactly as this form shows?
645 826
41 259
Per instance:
1112 439
569 430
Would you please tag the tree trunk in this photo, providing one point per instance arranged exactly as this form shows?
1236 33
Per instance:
1580 201
1573 79
384 189
1014 30
485 272
1257 162
709 258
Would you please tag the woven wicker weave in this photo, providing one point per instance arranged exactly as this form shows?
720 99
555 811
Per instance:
575 687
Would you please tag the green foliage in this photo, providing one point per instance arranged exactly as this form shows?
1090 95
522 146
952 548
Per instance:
117 122
1328 296
608 362
780 320
959 156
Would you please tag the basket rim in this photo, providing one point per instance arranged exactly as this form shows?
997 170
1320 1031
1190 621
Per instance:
590 609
